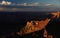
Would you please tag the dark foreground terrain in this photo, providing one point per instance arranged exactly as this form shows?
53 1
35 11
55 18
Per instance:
12 22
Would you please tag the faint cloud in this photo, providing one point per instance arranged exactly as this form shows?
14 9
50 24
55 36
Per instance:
49 5
34 4
29 4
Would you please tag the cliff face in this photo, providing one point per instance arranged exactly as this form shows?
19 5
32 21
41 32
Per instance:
34 25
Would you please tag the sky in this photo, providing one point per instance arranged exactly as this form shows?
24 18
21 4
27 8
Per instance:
52 3
55 2
29 1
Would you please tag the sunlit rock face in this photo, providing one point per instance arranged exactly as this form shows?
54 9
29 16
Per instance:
56 14
33 25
